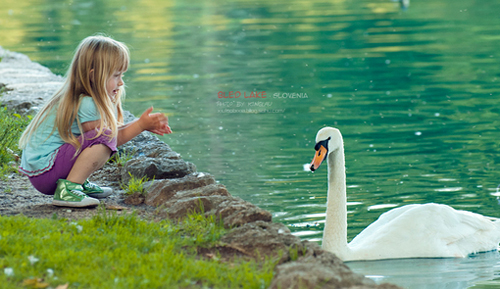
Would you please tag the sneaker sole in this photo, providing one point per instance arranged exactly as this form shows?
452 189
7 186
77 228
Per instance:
87 202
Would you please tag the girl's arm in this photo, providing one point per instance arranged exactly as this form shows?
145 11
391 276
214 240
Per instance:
153 122
128 131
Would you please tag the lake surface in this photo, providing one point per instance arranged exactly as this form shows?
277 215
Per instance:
414 92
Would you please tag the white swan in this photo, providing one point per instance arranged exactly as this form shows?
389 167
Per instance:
411 231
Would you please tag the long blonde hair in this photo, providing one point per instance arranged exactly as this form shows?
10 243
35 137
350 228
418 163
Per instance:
96 59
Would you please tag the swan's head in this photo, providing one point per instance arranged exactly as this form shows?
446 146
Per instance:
328 139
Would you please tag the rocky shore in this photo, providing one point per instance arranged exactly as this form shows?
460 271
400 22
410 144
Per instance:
176 189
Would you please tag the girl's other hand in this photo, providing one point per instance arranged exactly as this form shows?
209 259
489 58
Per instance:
154 122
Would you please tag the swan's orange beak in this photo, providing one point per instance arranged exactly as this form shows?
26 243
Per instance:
319 157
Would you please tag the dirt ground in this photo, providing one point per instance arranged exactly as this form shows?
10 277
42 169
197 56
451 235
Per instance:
18 196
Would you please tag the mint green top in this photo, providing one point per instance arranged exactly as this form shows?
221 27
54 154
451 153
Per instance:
40 152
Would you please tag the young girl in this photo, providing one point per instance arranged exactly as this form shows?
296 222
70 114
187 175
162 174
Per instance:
78 130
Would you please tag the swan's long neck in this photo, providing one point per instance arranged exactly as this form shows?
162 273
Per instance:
335 232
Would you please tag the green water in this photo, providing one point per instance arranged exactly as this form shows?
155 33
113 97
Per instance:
414 93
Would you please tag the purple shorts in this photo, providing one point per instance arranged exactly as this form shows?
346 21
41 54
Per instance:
46 183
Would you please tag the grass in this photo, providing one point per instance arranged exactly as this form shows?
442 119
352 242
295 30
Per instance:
11 127
110 251
135 185
121 157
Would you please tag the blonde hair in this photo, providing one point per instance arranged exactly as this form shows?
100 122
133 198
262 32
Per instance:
96 59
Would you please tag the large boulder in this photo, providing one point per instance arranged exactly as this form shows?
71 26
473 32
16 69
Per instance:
259 240
154 168
198 192
147 144
232 211
159 192
236 212
321 270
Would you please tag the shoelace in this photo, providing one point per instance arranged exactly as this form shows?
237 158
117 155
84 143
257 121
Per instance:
92 185
79 193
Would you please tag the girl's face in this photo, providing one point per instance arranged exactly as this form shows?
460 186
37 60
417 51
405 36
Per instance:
114 82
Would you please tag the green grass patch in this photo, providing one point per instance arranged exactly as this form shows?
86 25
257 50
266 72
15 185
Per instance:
11 127
110 251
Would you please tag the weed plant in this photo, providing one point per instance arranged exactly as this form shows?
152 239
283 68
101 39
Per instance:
111 251
135 185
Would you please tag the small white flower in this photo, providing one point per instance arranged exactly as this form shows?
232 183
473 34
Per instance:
78 227
50 272
8 271
33 259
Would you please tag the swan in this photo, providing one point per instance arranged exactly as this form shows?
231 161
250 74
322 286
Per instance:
412 231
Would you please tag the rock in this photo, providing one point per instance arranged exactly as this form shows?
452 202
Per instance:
323 270
134 199
148 145
260 240
179 209
198 193
231 210
160 191
236 212
27 84
109 176
154 168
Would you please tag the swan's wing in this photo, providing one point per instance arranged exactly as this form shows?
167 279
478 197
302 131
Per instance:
472 233
429 230
382 224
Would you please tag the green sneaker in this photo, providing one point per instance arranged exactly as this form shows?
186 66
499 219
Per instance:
94 191
69 194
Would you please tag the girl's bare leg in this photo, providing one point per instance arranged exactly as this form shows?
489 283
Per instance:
90 160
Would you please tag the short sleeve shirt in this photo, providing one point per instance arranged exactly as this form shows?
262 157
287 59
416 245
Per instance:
39 155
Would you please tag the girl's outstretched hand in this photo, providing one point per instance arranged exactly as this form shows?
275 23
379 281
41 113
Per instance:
154 122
